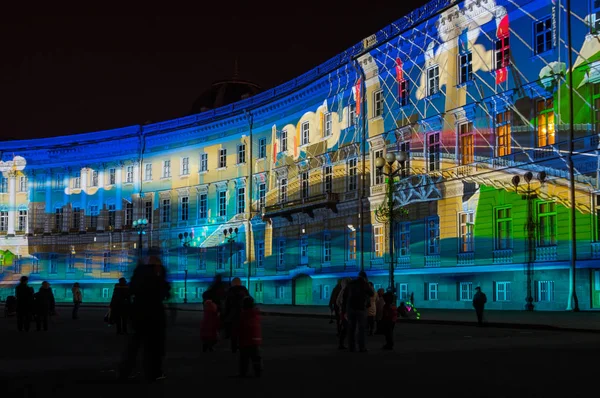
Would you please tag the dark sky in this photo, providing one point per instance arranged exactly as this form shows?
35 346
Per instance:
69 74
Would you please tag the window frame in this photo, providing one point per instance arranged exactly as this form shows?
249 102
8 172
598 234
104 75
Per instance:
465 291
378 103
465 67
433 80
466 140
432 247
433 151
222 158
378 241
552 232
466 229
305 131
241 153
548 137
262 148
505 292
503 220
432 291
546 32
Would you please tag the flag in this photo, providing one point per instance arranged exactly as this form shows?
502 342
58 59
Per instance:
503 27
501 75
399 71
327 158
357 89
463 41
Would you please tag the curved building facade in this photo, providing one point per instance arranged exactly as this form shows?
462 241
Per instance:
495 103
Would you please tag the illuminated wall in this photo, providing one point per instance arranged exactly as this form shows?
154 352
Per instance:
476 92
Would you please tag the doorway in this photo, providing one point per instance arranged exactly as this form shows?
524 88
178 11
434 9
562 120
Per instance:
303 290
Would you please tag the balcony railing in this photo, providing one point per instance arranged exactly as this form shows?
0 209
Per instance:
432 261
403 262
595 249
546 253
503 256
466 258
306 205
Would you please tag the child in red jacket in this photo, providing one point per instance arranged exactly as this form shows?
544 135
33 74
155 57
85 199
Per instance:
390 316
250 335
209 328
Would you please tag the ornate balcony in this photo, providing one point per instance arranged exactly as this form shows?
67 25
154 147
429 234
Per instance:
503 256
546 253
595 249
306 205
466 258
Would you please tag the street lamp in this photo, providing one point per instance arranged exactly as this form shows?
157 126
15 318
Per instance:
529 195
185 239
140 226
387 213
230 235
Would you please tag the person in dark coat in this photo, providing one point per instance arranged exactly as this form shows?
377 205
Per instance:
24 294
77 300
233 308
333 306
250 338
217 292
44 306
359 299
479 300
389 318
149 288
120 306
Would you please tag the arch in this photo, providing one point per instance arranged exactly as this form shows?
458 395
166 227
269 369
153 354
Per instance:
302 290
23 207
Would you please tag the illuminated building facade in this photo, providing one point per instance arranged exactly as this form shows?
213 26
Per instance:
476 92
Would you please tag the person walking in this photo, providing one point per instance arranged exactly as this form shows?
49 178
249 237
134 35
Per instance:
120 305
24 294
233 308
77 300
333 306
359 299
479 300
341 304
250 338
44 306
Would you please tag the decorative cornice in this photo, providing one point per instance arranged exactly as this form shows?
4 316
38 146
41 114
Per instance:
202 189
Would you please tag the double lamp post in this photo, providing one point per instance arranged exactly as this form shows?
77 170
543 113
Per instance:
230 235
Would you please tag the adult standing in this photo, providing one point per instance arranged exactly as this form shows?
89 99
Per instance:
77 300
359 299
479 300
333 306
119 305
44 306
24 294
233 309
341 304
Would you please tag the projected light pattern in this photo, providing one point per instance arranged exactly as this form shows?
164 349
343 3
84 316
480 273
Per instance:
476 92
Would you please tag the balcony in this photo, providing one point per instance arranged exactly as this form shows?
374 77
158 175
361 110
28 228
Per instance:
466 258
306 205
595 249
546 253
503 256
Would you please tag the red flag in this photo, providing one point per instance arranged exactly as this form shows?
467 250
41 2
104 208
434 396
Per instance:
399 71
501 75
274 151
503 28
357 89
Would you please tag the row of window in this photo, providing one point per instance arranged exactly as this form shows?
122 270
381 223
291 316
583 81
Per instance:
544 291
21 186
70 262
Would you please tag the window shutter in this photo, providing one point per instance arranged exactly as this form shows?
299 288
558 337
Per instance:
536 293
494 291
508 291
426 291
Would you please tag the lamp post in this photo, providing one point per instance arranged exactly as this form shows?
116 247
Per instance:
140 226
529 195
230 235
388 213
185 239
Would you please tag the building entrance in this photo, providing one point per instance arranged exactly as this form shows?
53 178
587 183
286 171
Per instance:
303 290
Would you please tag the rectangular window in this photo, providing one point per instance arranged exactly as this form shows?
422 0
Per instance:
58 218
433 236
220 257
166 173
402 289
465 64
503 228
326 248
283 190
112 176
88 264
351 237
262 148
200 292
58 183
378 241
328 128
546 224
325 292
327 179
596 217
502 53
467 143
17 264
204 162
53 263
35 266
185 208
351 115
3 220
379 176
543 35
378 103
404 92
105 293
182 258
202 206
281 254
432 291
279 292
305 133
94 178
466 291
165 211
240 259
466 225
222 157
128 213
260 254
433 80
545 122
22 184
241 153
181 293
403 239
222 203
76 218
502 291
304 184
77 180
303 250
148 172
4 184
123 261
129 175
70 262
433 152
545 291
262 195
106 262
595 17
22 222
112 215
283 141
503 133
241 200
148 211
201 261
352 180
185 166
94 216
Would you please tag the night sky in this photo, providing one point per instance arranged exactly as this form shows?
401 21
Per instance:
71 74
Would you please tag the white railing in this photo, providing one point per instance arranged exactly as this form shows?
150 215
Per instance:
546 253
503 256
466 258
433 261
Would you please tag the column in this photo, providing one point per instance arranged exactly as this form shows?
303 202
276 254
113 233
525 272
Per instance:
48 206
66 200
119 196
12 201
136 177
84 183
31 185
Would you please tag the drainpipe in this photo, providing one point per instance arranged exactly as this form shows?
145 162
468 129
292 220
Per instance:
250 202
573 304
361 195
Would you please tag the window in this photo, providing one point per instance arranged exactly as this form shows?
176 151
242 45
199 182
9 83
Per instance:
279 292
543 36
148 211
378 241
304 184
58 182
262 148
241 200
58 218
22 184
262 195
222 157
123 260
17 264
467 143
465 64
327 179
260 254
240 259
502 52
325 292
379 176
465 230
503 136
546 224
22 222
94 216
466 291
105 293
76 218
351 115
403 239
328 127
281 254
3 184
112 215
283 141
185 208
128 213
88 264
378 103
35 265
77 180
222 203
326 248
402 290
545 122
182 259
502 291
433 236
200 293
352 181
351 237
53 263
241 153
596 218
432 291
403 92
203 162
70 262
166 169
433 151
303 250
165 211
201 263
404 146
3 219
129 175
112 176
202 206
305 133
221 257
595 16
503 228
545 291
148 172
433 80
182 293
94 178
185 166
106 262
283 190
166 256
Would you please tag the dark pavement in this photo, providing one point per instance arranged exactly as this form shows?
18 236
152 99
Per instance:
78 358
